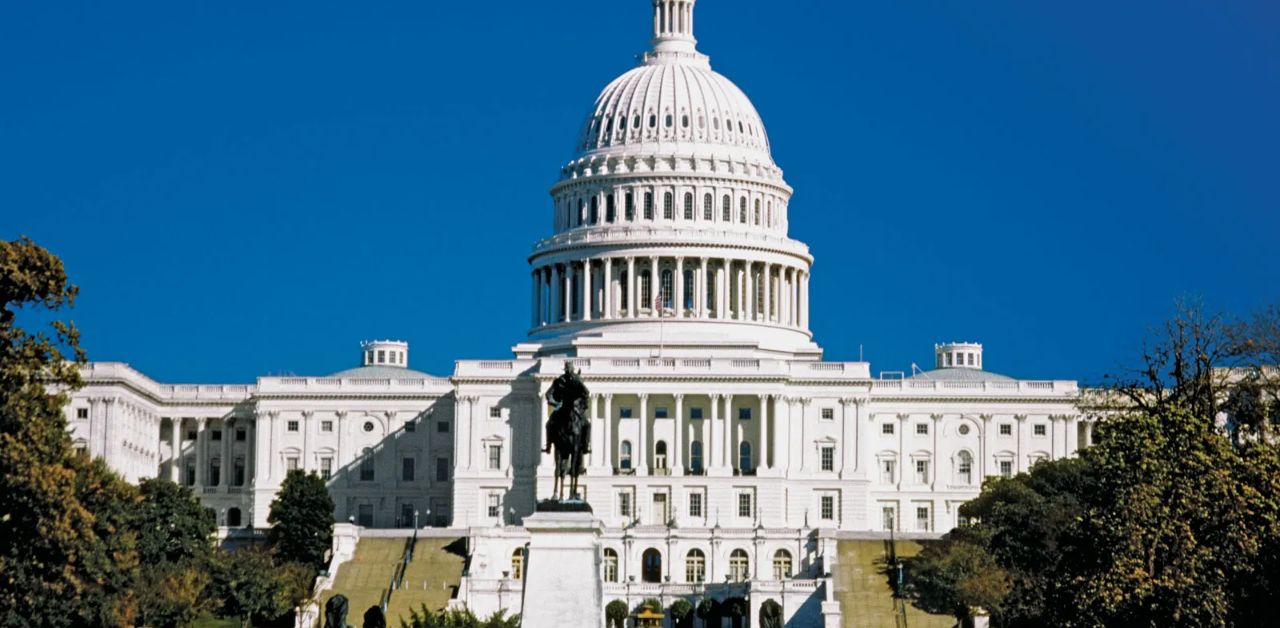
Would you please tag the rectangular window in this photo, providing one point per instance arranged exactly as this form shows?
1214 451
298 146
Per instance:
238 471
828 458
326 468
888 517
292 426
1038 429
922 518
630 206
1006 429
291 463
744 504
922 471
191 434
828 507
695 504
1006 468
442 469
887 471
241 435
215 434
648 205
495 457
744 414
695 413
364 515
828 414
624 413
922 429
624 505
366 467
495 412
494 506
406 469
659 413
191 473
886 428
442 427
82 413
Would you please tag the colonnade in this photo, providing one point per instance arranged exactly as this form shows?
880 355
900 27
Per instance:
631 287
204 452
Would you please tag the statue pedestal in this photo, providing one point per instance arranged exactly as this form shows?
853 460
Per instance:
562 586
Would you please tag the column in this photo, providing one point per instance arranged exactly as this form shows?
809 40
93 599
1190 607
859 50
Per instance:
175 448
641 454
631 287
677 452
553 307
677 299
654 289
767 315
764 431
1073 435
586 289
544 459
1088 433
1020 464
740 278
703 291
804 300
225 469
535 283
751 291
607 455
201 473
608 289
713 456
566 294
722 288
848 445
729 452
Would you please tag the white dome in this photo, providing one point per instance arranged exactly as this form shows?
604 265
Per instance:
674 98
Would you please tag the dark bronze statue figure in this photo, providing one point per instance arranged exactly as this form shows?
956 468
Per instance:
335 612
568 429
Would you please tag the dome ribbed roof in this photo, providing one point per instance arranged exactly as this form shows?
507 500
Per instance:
674 99
961 375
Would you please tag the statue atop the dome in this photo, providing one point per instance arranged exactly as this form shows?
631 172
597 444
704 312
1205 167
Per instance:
568 430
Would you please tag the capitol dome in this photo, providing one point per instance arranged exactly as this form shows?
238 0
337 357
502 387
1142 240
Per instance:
669 231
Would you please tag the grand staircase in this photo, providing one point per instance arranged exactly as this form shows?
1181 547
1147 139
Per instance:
865 592
430 579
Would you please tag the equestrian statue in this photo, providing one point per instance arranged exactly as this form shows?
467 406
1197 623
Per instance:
568 430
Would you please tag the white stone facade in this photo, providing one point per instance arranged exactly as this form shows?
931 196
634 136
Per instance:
722 444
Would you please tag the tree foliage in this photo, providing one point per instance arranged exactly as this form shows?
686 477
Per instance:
172 526
616 613
460 618
249 586
301 520
171 596
67 556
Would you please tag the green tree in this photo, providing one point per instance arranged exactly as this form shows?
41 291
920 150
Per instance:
954 576
249 586
301 520
172 596
682 613
616 613
172 526
61 563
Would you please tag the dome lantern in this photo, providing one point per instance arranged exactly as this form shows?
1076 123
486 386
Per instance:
673 25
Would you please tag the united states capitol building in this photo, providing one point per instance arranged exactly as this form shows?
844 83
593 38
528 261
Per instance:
724 448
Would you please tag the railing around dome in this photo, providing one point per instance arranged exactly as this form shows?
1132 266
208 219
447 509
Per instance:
640 236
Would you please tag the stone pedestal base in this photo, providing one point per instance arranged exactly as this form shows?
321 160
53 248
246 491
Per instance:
562 587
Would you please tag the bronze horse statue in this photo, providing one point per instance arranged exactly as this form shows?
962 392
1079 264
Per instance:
568 430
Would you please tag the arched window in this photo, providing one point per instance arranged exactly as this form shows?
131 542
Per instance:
630 206
695 457
517 564
742 210
624 455
728 125
668 206
625 290
688 206
744 456
653 120
695 566
964 467
595 210
781 565
707 206
610 214
635 121
684 121
768 211
738 562
622 123
648 205
646 291
757 213
728 209
667 122
581 212
660 455
715 124
233 517
666 288
651 566
610 565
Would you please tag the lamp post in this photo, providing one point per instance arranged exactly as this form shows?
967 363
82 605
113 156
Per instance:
415 518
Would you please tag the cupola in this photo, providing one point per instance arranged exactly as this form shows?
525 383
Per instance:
385 353
959 355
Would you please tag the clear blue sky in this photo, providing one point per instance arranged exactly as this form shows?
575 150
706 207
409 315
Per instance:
243 188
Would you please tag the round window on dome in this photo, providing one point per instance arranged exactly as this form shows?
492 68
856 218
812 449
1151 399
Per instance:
668 121
636 121
622 122
368 426
963 429
653 121
715 124
702 122
728 125
684 121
